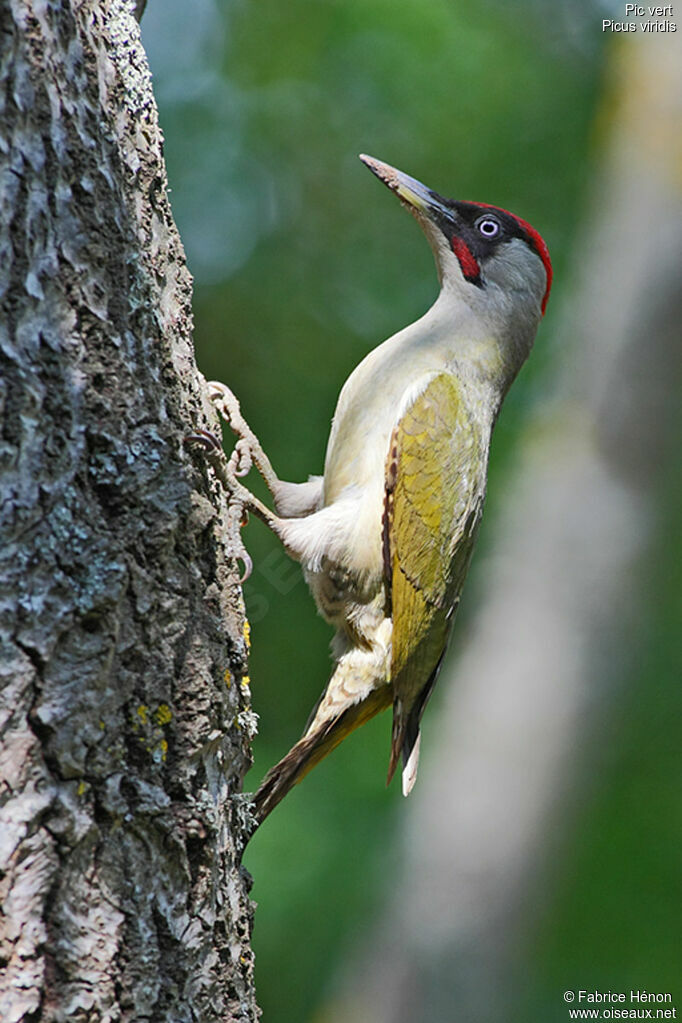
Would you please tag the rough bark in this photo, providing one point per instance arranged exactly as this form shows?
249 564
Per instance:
124 715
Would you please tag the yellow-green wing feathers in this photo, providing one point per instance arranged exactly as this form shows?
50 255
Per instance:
435 481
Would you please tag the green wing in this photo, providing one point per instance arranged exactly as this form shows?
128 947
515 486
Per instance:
435 483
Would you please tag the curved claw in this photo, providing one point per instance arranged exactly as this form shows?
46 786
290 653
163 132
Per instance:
220 393
217 389
207 439
245 558
239 464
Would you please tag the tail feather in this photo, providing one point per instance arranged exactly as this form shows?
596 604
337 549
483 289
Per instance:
410 765
405 738
313 747
405 742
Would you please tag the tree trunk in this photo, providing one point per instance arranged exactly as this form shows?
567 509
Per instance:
125 715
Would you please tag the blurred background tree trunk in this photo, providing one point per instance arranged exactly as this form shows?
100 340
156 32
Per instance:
565 590
125 717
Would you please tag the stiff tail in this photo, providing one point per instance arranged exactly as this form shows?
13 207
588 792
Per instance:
406 738
313 747
405 743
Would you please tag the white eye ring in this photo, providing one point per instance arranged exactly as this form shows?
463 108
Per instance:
488 226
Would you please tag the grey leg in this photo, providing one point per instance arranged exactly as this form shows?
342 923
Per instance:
241 500
248 451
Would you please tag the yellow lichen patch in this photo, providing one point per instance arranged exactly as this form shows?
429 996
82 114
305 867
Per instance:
142 713
163 714
102 725
247 633
82 788
246 681
228 678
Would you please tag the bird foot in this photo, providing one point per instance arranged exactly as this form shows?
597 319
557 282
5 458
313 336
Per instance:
240 499
248 451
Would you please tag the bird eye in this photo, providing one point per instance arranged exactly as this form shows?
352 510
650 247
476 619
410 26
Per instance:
488 226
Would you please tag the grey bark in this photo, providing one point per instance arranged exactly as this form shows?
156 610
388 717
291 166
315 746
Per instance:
124 710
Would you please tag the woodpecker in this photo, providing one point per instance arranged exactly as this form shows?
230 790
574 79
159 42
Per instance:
385 535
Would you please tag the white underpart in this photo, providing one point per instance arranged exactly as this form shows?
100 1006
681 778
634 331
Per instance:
292 500
327 533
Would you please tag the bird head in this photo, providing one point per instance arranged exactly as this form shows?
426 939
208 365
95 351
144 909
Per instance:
482 251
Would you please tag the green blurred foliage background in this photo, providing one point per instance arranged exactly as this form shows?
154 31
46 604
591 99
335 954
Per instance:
302 263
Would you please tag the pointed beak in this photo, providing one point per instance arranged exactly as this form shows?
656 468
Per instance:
417 197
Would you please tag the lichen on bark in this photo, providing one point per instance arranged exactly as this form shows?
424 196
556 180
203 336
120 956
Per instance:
125 726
